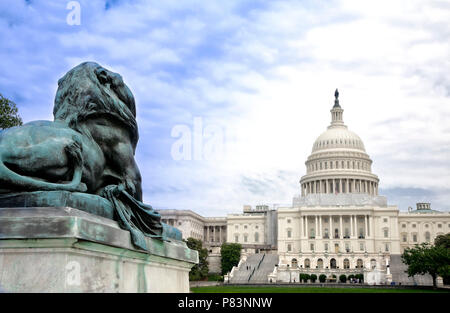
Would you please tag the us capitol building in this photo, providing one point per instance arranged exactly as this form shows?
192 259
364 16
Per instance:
338 224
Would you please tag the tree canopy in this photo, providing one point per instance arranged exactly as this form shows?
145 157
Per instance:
198 271
230 254
428 259
9 116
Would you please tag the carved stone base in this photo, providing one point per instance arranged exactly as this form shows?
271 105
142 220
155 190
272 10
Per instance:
67 250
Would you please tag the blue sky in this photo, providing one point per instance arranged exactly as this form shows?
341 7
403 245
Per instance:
261 74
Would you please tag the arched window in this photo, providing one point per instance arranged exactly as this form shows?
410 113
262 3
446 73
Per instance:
373 264
294 263
427 236
359 263
346 263
319 263
307 263
333 263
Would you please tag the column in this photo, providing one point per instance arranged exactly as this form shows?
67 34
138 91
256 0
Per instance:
365 226
347 185
341 235
207 233
214 233
220 234
331 233
315 226
304 226
334 186
320 226
353 185
341 190
371 225
351 227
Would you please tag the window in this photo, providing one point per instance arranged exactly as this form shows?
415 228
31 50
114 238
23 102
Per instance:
319 263
359 263
294 263
385 220
236 238
245 238
426 225
256 227
326 247
414 237
347 247
413 225
439 225
307 263
373 264
346 263
386 233
245 226
427 236
236 227
289 233
289 221
361 246
289 247
386 247
256 237
403 225
405 238
311 246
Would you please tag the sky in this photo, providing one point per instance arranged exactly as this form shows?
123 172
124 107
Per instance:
231 95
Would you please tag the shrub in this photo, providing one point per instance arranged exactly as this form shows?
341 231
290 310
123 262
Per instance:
360 277
342 278
304 277
322 278
313 278
215 277
350 277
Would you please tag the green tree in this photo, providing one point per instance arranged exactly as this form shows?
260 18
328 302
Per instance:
230 254
313 278
9 116
199 271
443 241
427 259
342 278
322 278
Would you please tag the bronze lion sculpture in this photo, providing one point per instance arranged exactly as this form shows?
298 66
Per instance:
88 148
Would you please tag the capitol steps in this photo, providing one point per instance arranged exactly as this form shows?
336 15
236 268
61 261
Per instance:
242 275
399 275
264 268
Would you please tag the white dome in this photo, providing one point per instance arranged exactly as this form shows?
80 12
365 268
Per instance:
338 137
338 163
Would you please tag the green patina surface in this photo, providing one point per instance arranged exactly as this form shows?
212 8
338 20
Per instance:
84 158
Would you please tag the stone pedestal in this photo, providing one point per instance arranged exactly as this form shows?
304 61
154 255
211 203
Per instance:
61 249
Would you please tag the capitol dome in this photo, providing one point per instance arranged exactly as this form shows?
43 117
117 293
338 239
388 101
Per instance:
338 163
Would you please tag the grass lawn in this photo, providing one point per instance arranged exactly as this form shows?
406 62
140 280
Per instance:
283 289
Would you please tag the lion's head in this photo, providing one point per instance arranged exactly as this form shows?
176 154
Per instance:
90 90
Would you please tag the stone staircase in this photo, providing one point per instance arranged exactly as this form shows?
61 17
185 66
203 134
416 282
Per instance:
242 275
398 268
264 268
259 266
